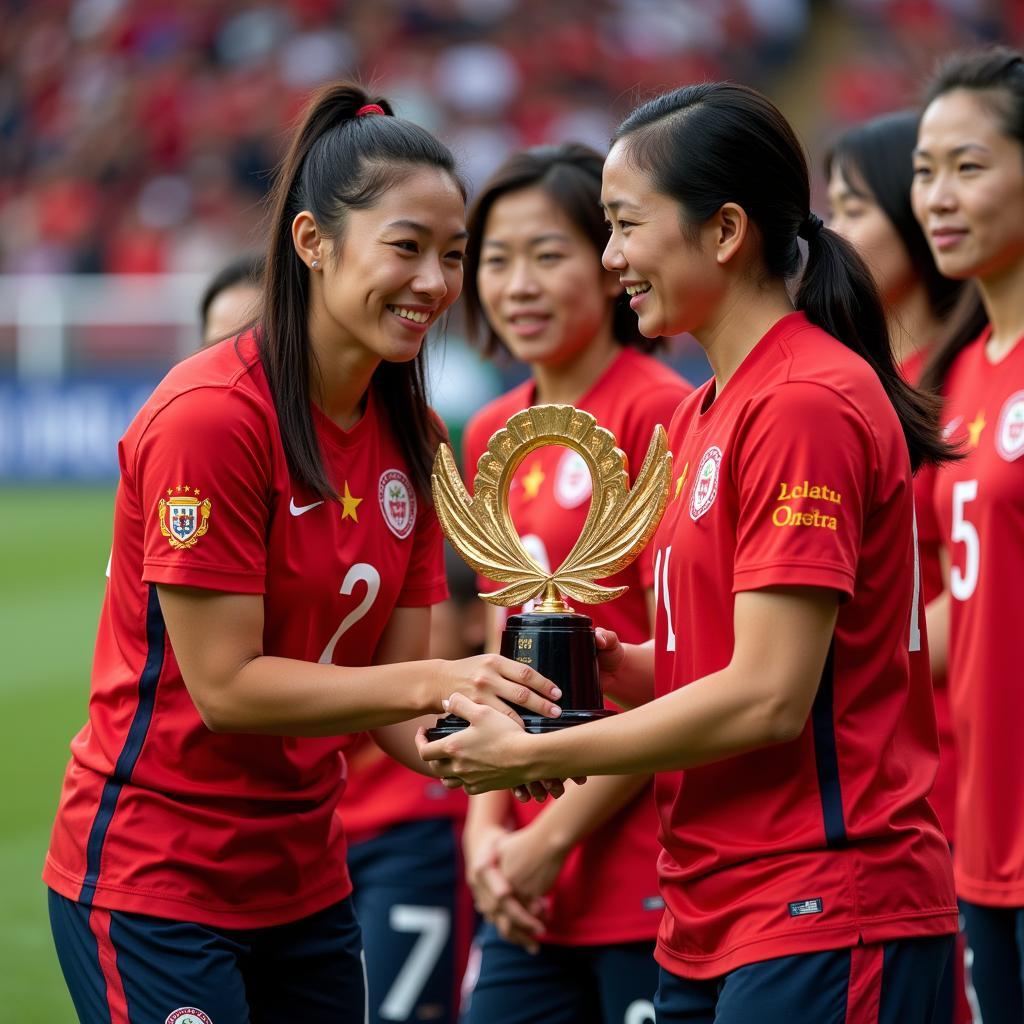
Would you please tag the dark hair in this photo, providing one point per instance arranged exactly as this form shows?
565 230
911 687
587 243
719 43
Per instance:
338 162
247 270
720 142
571 176
879 155
997 75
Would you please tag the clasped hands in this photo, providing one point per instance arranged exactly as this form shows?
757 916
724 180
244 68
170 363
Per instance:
509 874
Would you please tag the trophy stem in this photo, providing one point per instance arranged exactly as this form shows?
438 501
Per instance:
552 601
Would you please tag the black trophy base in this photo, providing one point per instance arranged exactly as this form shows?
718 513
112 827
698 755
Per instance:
536 724
561 647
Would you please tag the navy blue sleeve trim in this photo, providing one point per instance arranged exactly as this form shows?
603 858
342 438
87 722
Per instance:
156 634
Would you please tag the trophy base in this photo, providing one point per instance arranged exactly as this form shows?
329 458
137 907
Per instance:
536 724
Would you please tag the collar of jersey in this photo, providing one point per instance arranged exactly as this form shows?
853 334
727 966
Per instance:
328 431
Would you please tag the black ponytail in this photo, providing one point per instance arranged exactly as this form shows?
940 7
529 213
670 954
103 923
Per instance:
838 293
338 161
721 142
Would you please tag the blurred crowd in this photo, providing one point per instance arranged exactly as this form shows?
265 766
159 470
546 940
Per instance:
141 135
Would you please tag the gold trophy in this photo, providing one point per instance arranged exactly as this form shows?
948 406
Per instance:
552 639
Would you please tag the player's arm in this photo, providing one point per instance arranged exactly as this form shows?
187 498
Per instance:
532 857
406 638
217 639
937 620
762 697
487 826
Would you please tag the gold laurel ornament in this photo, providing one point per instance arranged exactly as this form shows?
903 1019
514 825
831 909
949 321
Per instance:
620 522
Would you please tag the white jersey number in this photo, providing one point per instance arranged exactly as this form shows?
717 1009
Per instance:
661 597
361 572
640 1011
915 610
433 925
962 584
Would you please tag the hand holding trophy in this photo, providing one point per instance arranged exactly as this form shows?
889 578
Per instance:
552 639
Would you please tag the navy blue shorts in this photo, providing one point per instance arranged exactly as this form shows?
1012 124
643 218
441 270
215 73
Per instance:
132 969
417 919
995 956
888 983
611 984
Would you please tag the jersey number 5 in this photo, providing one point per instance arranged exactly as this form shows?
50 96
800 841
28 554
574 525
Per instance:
361 572
962 584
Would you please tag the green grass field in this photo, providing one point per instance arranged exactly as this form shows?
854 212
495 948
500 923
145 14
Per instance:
54 544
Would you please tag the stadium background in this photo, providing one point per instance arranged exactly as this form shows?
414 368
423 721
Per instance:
137 140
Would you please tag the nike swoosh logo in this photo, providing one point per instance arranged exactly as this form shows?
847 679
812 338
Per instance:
297 510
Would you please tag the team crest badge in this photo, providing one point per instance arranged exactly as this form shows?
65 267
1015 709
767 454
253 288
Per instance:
705 484
397 502
1010 432
187 1015
572 481
183 519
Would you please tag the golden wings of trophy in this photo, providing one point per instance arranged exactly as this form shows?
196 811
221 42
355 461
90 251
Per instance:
553 639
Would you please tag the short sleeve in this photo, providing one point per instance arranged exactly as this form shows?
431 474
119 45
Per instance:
803 468
425 581
202 475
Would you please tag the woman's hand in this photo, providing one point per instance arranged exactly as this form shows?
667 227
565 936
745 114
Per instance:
610 653
492 753
497 682
516 919
530 862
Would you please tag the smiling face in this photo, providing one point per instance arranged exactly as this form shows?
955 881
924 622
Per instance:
395 269
674 280
857 216
968 190
540 280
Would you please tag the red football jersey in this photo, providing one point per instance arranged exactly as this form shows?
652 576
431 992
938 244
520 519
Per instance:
381 793
980 504
798 475
607 890
929 542
158 815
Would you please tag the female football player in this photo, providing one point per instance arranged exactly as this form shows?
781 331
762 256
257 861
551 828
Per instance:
968 194
805 875
869 170
570 888
274 560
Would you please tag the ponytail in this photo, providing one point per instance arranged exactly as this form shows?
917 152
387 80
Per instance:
720 142
838 294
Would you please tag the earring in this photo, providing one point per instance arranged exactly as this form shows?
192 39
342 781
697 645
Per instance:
315 264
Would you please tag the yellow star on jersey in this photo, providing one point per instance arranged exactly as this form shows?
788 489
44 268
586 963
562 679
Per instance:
532 481
349 505
681 480
975 428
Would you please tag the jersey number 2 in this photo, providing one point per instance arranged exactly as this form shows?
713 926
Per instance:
361 572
